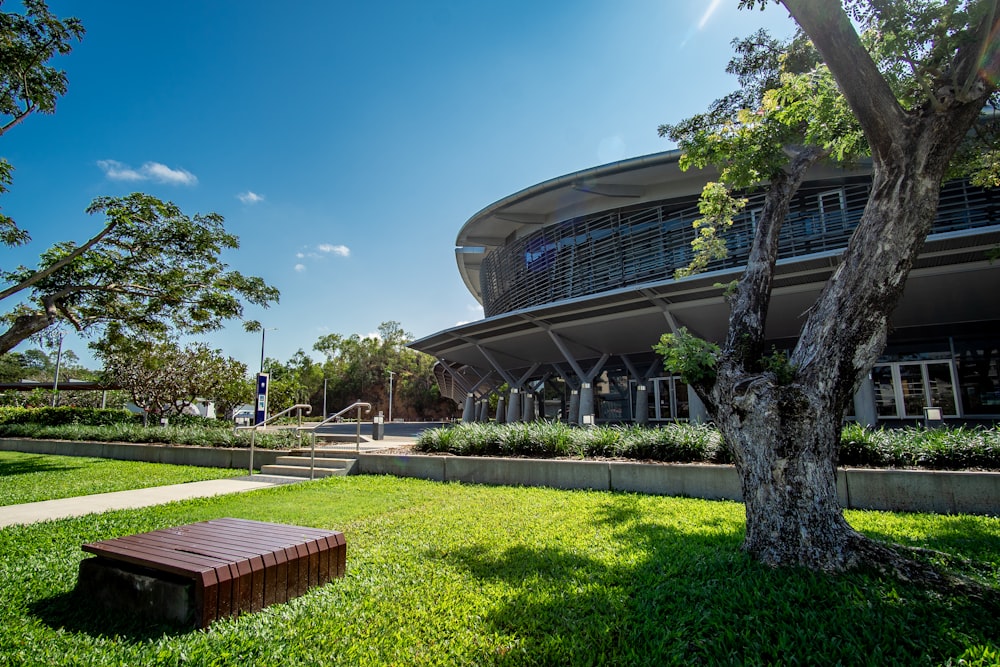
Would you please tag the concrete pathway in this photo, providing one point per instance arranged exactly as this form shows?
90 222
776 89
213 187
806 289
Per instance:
157 495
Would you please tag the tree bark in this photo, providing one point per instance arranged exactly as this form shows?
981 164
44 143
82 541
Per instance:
785 437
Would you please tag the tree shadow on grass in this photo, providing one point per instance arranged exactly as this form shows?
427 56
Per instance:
24 465
962 535
665 590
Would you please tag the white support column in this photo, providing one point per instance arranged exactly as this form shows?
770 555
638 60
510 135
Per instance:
697 414
574 407
587 416
529 407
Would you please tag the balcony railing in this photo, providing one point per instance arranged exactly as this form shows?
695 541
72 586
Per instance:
649 242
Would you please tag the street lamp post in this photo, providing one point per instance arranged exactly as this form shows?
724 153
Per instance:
55 381
391 374
324 399
263 331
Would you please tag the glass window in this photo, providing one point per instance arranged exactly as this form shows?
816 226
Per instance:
885 392
911 381
681 397
979 377
903 390
941 387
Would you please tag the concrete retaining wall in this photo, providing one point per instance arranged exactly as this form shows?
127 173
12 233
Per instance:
871 489
207 457
942 492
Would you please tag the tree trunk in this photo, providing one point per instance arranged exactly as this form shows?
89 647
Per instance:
785 437
785 448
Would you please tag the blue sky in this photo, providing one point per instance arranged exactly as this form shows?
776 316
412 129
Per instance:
347 143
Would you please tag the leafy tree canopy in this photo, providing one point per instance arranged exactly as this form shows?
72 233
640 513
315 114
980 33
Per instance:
164 378
150 270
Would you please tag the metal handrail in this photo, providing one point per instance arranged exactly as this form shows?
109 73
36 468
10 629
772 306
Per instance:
312 429
253 428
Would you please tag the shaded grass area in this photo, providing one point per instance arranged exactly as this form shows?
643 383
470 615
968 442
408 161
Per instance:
449 574
28 478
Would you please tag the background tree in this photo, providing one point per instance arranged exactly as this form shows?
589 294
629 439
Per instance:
164 379
357 368
916 79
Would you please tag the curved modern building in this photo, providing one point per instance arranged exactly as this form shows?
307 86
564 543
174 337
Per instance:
576 279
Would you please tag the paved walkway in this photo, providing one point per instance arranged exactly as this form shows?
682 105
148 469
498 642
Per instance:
157 495
102 502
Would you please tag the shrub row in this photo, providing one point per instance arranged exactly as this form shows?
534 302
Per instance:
175 435
957 448
940 448
63 416
674 442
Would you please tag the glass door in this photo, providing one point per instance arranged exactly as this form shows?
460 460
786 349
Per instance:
903 389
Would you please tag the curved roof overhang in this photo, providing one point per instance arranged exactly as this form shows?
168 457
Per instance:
579 193
952 282
641 179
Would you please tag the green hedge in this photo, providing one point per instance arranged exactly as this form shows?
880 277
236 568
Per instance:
940 448
674 442
63 416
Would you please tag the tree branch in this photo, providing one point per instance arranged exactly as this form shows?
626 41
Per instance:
45 273
750 304
857 75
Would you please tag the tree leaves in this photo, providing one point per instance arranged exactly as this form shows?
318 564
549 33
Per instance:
153 269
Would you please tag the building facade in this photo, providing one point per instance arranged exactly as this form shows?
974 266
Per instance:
576 276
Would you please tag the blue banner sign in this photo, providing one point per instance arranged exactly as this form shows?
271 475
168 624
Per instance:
260 412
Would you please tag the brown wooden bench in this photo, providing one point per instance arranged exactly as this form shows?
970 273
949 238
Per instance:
200 572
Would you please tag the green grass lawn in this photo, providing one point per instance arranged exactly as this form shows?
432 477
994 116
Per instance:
28 478
449 574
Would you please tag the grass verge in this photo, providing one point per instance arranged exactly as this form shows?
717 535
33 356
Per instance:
29 478
448 574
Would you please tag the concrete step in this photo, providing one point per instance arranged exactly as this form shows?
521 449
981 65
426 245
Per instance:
321 461
301 471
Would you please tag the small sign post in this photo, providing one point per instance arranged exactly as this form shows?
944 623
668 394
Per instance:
260 412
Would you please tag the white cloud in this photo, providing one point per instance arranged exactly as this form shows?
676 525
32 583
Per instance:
475 311
319 253
117 171
250 197
339 250
149 171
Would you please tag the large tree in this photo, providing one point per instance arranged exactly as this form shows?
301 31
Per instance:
916 78
151 269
